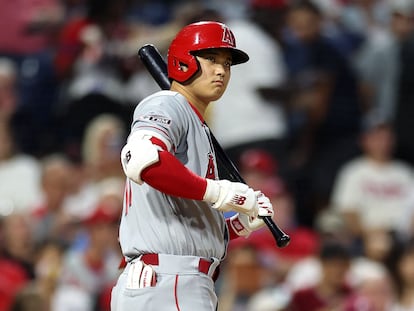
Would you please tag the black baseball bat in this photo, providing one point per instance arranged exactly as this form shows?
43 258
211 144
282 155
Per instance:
157 67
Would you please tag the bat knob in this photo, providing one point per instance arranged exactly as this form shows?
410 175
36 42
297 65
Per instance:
283 241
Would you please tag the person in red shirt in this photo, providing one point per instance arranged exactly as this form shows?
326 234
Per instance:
331 292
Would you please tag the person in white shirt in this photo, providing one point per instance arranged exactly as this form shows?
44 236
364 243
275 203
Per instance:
372 191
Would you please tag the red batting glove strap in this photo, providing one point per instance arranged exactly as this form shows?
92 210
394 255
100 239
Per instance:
237 228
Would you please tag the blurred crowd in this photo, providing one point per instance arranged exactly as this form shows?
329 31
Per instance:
319 119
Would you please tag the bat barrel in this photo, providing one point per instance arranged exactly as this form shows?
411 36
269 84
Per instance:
155 64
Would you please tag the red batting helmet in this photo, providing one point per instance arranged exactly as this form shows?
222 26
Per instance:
196 37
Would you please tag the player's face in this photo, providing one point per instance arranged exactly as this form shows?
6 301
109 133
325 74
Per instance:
213 77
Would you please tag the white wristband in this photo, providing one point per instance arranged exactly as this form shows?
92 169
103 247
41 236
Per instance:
212 191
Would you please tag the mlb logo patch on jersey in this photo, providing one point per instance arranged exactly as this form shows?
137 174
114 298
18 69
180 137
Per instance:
157 118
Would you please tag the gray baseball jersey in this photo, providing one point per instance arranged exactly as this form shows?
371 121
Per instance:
153 222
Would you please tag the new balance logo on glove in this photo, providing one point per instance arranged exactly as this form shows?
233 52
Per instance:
238 199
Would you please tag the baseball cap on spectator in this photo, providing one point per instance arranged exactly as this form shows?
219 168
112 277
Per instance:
365 269
373 121
102 214
259 160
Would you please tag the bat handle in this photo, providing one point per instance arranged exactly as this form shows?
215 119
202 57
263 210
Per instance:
282 239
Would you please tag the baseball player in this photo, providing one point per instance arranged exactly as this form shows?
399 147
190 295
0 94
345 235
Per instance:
173 233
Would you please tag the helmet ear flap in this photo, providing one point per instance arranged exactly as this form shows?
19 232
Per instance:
175 63
182 70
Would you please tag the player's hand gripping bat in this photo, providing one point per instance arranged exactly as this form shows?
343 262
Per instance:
156 66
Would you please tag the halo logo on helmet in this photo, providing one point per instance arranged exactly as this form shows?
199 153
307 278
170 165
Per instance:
196 37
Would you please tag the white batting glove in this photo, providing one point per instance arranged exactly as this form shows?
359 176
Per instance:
243 224
231 196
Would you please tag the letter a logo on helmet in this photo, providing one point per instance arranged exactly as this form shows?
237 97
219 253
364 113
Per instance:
196 37
228 36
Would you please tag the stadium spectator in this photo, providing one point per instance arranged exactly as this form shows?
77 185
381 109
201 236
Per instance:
74 60
372 190
331 291
323 133
27 36
49 220
16 256
99 164
378 60
243 117
246 272
404 110
260 170
19 175
365 16
373 288
88 270
37 294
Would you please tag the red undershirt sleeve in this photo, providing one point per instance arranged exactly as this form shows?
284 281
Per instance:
170 176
